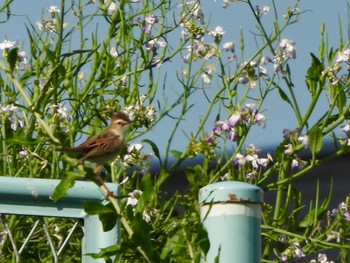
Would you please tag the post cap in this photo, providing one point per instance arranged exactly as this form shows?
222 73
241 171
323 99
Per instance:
231 192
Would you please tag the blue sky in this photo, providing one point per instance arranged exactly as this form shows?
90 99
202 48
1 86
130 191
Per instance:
306 34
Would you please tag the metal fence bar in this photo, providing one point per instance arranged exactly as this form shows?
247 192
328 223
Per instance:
32 197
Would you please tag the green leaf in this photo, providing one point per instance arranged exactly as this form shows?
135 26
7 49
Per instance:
108 221
280 149
26 76
174 246
12 57
176 154
19 137
107 252
67 182
154 149
96 208
203 240
193 175
148 193
106 213
284 96
314 74
338 97
141 235
316 139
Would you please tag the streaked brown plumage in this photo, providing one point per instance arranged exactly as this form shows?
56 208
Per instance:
104 147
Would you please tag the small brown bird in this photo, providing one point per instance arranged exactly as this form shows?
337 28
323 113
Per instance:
104 147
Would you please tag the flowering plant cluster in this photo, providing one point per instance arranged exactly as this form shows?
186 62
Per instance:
199 96
238 123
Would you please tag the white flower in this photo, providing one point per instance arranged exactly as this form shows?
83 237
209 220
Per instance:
81 76
226 3
22 56
198 13
135 147
8 108
333 235
265 9
210 68
206 78
289 149
343 207
151 113
346 128
243 79
277 63
288 47
253 159
111 6
7 44
23 154
15 122
113 52
62 111
229 46
263 162
147 214
218 31
217 34
54 9
40 25
322 258
133 197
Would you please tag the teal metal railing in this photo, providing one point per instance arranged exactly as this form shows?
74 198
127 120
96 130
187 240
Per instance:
32 197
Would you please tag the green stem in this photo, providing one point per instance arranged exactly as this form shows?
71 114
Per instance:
308 239
123 220
306 169
280 190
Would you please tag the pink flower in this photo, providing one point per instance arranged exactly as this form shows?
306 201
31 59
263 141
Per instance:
154 45
259 119
223 125
343 56
239 160
235 119
304 140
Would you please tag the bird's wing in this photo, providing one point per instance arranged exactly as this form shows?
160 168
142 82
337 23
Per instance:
99 145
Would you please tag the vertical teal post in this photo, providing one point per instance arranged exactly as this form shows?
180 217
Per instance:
95 238
231 212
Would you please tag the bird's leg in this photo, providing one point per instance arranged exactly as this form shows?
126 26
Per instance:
97 172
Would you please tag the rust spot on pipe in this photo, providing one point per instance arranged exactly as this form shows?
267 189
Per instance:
234 198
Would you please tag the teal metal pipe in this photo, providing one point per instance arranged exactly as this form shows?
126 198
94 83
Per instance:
95 238
32 197
231 213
